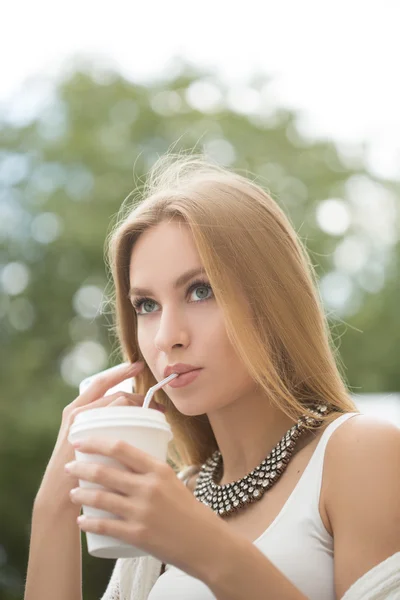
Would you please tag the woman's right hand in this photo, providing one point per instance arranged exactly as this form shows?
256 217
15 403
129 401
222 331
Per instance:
56 483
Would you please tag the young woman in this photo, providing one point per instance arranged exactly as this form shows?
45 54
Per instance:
291 492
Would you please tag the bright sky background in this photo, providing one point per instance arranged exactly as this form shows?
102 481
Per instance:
337 62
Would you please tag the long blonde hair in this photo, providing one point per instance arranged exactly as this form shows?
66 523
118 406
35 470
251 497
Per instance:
245 242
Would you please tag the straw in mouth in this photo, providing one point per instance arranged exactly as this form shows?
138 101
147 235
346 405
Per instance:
156 387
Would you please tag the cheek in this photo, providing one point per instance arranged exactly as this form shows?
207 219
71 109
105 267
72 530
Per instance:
225 354
145 340
216 335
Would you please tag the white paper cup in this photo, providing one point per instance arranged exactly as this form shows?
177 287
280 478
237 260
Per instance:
144 428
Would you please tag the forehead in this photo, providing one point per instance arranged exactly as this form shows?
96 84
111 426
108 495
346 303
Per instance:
162 252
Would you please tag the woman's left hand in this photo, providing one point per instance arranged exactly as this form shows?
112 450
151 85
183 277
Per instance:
158 513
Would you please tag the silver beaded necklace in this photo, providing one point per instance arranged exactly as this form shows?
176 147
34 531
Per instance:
232 497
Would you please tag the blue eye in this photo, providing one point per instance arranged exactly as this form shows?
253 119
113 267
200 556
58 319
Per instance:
139 302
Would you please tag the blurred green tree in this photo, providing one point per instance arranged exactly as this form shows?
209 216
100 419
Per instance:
63 175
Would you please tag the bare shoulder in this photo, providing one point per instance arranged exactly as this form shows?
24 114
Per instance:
363 447
363 460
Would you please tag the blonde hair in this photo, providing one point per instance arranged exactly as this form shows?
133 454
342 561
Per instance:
245 242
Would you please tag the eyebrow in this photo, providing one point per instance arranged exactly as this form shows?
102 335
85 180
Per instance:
182 279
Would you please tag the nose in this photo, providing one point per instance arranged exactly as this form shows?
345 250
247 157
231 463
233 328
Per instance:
172 331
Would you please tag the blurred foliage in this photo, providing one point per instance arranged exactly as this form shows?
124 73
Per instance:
63 176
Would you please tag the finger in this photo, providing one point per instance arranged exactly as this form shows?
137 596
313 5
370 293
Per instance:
123 401
121 506
127 532
113 478
107 380
134 458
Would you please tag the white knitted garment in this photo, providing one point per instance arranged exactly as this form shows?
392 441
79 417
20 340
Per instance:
132 578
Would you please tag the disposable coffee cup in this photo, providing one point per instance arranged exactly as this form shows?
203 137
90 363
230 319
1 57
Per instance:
144 428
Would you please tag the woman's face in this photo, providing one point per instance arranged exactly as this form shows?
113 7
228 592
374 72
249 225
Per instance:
183 324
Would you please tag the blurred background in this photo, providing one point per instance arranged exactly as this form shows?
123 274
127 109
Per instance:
302 96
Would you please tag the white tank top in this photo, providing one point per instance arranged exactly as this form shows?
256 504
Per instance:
296 542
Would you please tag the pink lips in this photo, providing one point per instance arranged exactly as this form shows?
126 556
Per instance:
179 368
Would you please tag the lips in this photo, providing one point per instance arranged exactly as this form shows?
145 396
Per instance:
179 368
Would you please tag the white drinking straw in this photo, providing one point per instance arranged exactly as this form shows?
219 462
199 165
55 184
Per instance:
152 390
